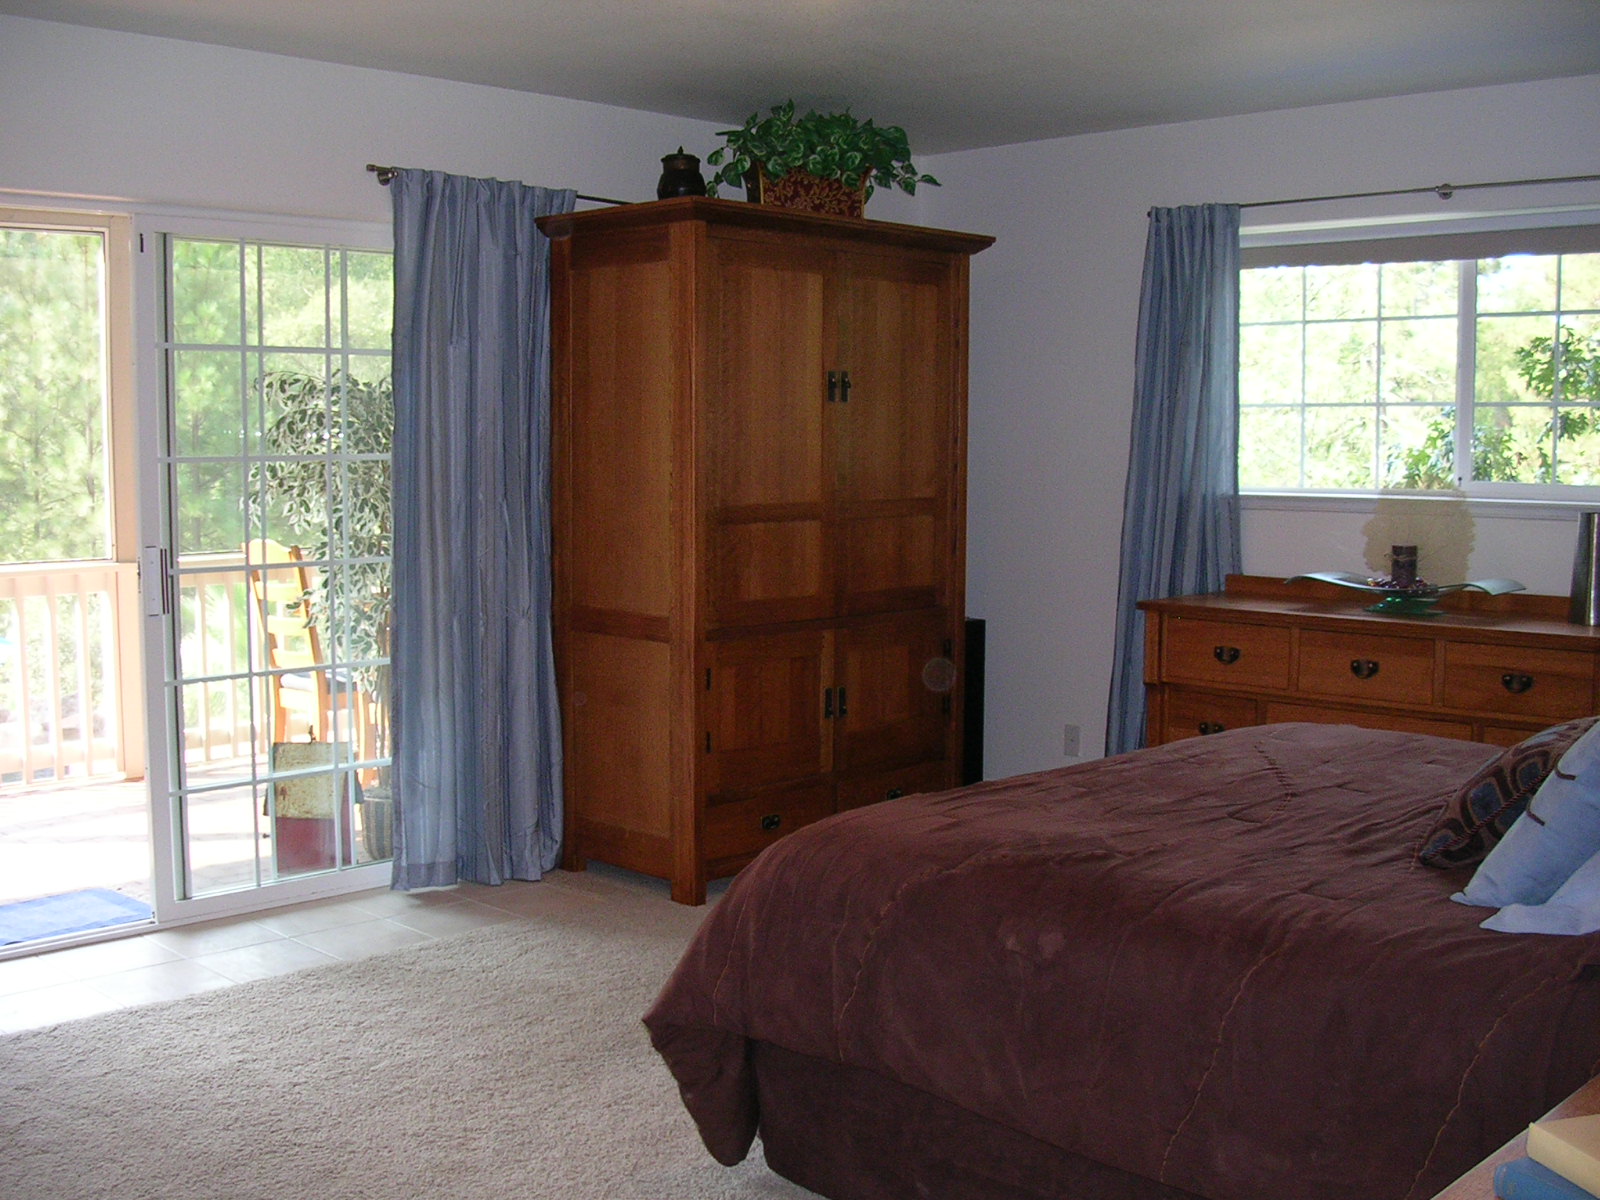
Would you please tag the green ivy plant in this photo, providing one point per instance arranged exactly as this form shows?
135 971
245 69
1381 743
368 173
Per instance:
324 485
830 146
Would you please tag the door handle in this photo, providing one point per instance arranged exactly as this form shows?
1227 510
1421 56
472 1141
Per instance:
833 387
844 387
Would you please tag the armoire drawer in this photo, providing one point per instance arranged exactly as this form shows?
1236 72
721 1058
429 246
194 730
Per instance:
1517 680
1364 666
740 828
1226 654
891 785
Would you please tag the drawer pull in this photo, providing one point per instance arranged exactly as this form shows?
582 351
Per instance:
1226 655
1206 727
1363 668
771 821
894 793
1515 682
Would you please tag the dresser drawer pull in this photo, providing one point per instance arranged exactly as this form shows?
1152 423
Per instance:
1363 668
894 793
771 821
1515 682
1206 727
1226 655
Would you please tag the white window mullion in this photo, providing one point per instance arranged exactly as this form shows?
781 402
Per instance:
1466 367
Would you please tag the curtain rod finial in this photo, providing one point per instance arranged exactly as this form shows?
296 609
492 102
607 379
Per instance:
385 174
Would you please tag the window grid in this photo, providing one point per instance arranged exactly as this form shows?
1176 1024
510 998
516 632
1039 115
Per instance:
1377 444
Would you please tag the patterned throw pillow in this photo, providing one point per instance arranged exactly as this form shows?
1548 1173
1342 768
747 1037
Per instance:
1477 816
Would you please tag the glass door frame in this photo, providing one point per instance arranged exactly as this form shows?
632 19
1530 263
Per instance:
159 624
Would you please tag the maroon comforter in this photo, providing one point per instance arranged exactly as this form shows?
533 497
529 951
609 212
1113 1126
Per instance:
1212 964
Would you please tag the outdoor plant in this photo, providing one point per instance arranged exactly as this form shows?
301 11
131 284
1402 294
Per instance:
325 486
830 146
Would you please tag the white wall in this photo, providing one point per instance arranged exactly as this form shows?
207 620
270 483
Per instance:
162 122
1054 313
159 122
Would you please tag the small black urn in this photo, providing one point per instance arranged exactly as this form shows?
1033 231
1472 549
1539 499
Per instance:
680 176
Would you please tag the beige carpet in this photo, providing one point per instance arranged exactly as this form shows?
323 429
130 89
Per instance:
505 1062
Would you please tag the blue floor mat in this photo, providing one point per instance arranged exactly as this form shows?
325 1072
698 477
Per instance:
71 912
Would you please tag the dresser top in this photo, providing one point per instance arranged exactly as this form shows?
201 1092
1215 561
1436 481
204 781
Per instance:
1258 599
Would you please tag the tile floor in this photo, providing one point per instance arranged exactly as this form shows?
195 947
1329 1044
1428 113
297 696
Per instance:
44 989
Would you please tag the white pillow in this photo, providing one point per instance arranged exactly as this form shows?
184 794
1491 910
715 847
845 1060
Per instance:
1575 908
1558 834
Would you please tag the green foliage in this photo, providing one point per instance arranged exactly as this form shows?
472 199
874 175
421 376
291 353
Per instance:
327 487
52 397
830 146
1565 372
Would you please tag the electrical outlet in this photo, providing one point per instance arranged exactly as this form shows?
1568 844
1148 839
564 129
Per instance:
1070 741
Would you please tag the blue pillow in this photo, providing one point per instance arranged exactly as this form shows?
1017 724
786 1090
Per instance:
1575 908
1558 834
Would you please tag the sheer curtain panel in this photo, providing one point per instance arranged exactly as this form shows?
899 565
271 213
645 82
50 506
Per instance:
476 727
1180 518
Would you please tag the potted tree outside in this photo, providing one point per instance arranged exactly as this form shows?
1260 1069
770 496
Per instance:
829 163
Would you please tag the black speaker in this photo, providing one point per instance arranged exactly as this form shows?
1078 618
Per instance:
972 709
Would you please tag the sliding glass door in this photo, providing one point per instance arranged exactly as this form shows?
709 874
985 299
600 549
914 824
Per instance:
270 490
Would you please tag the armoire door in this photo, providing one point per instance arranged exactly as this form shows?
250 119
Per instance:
763 710
765 432
895 453
895 682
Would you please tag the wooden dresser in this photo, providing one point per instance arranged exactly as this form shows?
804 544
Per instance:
759 430
1489 668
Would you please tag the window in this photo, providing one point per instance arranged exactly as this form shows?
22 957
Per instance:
55 385
1481 373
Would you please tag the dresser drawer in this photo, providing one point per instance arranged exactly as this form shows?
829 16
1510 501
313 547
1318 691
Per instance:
742 828
1400 722
1518 680
1195 714
1363 666
1228 654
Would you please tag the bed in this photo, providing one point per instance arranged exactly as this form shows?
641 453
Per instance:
1210 969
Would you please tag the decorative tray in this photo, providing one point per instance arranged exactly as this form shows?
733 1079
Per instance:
1417 600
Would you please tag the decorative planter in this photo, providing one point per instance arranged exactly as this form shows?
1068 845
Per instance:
808 193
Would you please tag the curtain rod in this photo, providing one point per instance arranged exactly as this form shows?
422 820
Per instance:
386 177
1444 190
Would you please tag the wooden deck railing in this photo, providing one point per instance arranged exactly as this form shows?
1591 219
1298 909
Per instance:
71 690
66 710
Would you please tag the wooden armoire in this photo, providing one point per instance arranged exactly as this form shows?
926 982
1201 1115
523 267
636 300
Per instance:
758 480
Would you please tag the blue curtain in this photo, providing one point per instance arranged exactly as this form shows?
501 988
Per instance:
476 729
1180 517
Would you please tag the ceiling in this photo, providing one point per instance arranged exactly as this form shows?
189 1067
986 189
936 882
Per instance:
956 74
